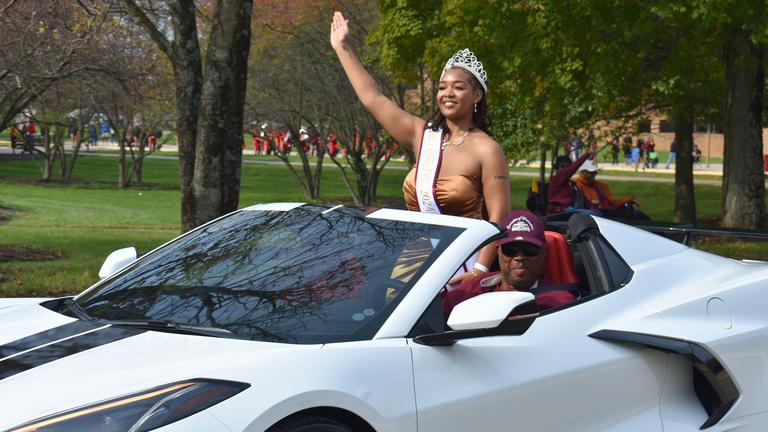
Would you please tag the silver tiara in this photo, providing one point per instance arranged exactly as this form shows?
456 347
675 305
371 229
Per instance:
466 59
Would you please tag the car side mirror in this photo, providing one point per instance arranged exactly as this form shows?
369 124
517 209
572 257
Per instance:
489 314
117 260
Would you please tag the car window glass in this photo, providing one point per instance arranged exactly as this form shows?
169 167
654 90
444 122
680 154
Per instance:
620 272
302 276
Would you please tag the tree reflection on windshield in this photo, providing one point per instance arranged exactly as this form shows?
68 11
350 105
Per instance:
301 276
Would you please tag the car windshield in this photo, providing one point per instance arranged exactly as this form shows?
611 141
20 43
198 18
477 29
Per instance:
309 275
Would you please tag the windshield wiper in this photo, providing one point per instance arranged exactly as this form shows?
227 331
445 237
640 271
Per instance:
78 310
174 327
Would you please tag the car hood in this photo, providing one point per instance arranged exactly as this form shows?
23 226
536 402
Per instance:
44 371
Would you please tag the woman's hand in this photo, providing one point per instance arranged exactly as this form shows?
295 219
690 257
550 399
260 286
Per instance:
339 31
456 281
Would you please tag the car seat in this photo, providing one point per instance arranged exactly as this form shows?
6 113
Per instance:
559 264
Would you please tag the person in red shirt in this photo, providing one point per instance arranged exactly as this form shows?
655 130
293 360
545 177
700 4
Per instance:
31 132
522 253
561 192
333 145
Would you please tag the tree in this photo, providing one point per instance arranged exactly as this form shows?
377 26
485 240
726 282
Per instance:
55 117
733 35
565 66
743 180
405 29
209 97
41 45
301 84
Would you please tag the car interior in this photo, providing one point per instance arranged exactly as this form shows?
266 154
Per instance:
577 255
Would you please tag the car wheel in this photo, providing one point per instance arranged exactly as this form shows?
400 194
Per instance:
310 424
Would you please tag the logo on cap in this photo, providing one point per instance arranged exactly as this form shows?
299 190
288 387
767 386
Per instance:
520 224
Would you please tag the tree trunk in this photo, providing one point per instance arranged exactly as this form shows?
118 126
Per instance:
75 153
137 166
122 180
188 78
295 174
138 159
218 153
318 173
685 200
48 159
361 176
743 178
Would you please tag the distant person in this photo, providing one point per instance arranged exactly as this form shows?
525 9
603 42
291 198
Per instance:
152 142
93 135
104 128
696 153
627 149
333 144
31 133
597 195
562 192
614 151
672 154
652 158
73 133
576 146
15 134
637 154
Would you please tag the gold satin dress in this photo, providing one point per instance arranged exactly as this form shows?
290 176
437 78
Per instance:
458 195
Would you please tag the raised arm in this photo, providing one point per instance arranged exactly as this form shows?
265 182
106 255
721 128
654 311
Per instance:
405 128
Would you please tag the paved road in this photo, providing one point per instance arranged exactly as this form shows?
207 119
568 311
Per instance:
711 175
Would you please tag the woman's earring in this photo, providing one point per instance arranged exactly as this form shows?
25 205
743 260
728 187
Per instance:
475 106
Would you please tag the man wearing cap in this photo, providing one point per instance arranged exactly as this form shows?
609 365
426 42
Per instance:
597 195
522 253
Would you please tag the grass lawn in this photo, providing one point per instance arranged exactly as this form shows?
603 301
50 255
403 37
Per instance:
84 221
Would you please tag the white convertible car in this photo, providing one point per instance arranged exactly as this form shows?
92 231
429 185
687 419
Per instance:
290 317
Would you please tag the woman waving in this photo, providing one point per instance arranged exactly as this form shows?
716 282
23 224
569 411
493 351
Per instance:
460 170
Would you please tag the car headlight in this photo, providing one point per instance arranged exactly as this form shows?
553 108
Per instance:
143 411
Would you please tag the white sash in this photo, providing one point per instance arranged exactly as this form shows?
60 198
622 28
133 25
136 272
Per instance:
427 170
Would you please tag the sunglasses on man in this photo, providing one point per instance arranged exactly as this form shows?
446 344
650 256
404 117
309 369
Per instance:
512 249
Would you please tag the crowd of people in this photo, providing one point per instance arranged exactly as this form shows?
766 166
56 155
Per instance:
638 153
23 134
273 141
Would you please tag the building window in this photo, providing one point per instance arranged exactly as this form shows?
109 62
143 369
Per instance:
666 126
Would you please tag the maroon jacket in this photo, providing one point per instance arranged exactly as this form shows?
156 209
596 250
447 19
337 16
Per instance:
486 283
559 192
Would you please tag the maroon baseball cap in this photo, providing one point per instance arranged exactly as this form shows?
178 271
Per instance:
523 226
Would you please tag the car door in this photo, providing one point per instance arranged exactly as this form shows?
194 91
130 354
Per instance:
553 377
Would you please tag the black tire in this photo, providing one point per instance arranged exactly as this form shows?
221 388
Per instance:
310 424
